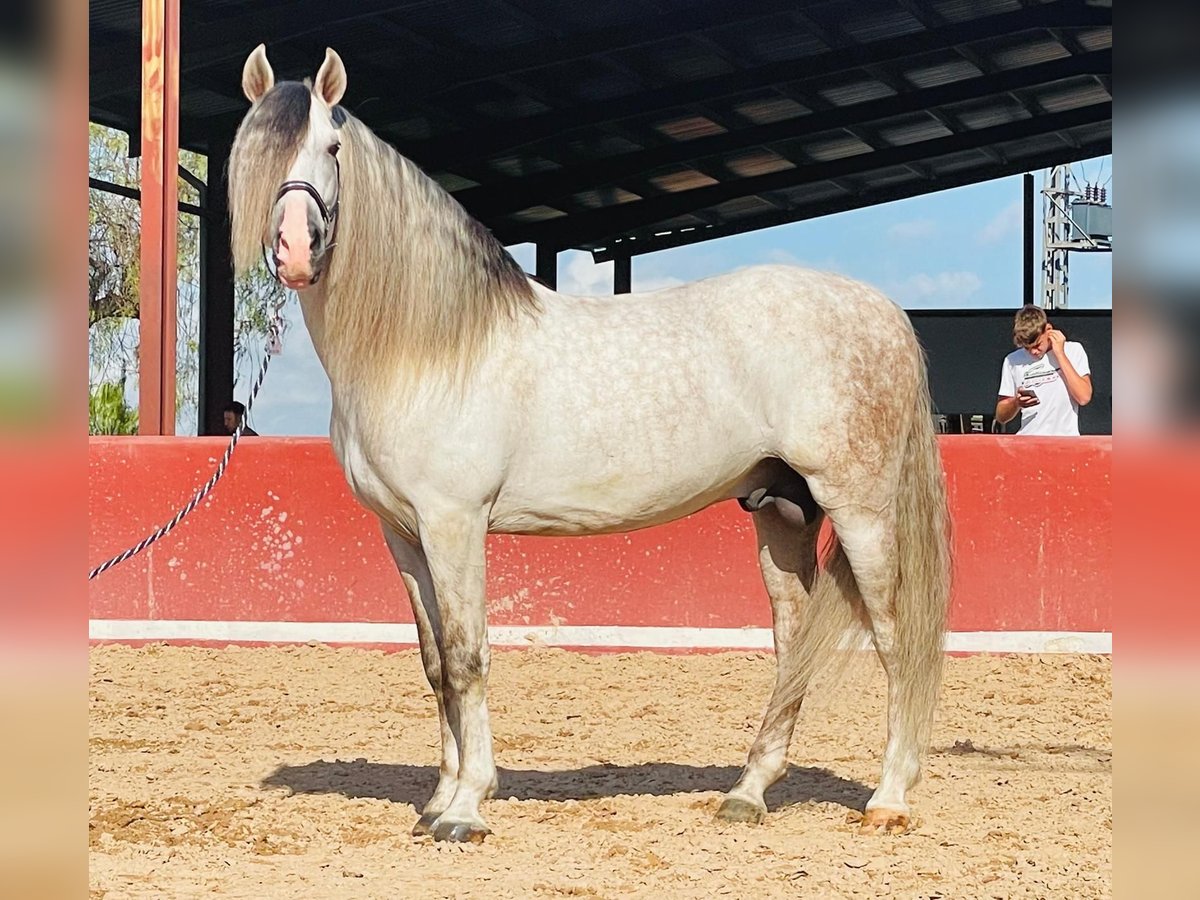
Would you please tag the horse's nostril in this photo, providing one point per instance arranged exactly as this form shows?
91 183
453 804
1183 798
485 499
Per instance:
283 244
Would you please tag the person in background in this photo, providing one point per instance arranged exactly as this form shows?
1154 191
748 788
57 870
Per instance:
1046 379
234 413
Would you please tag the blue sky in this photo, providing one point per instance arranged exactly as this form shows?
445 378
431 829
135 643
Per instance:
958 249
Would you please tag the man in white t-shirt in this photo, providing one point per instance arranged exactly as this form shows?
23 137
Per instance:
1046 379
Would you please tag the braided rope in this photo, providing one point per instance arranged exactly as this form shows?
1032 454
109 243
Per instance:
272 348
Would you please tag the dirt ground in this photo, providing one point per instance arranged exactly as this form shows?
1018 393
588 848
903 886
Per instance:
297 772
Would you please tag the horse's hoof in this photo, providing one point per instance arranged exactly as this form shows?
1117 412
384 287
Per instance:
424 825
460 832
734 809
883 821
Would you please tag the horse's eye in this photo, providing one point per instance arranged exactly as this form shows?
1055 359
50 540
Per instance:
333 149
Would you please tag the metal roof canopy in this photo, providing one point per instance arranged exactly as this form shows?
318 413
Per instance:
625 128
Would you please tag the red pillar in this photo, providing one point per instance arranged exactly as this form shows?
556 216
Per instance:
160 202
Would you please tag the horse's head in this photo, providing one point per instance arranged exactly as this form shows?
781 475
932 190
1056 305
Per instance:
292 126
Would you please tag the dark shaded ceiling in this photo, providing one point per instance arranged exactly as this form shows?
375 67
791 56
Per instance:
622 127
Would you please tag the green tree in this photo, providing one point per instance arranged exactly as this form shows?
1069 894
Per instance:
108 413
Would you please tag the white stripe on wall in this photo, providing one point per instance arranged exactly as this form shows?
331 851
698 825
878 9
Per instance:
662 638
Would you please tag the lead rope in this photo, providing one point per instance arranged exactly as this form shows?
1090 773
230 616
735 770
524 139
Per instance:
274 347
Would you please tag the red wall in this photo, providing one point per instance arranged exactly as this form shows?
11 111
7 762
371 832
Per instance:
281 539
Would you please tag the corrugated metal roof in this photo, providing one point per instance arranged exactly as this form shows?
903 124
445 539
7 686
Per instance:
1028 53
968 10
765 110
688 128
946 72
990 113
768 40
1058 99
682 180
910 130
607 123
858 91
757 162
837 147
602 197
880 24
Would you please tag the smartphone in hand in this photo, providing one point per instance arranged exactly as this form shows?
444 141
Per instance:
1028 394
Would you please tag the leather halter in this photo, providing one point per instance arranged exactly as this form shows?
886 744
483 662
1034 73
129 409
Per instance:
329 214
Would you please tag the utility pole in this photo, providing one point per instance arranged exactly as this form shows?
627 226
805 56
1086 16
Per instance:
1056 234
1072 220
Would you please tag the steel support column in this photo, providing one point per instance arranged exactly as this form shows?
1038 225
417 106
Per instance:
547 265
1027 292
159 205
622 274
216 294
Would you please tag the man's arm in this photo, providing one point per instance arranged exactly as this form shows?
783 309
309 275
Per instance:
1010 401
1078 386
1006 409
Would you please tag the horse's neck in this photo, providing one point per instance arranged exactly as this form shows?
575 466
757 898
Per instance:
312 307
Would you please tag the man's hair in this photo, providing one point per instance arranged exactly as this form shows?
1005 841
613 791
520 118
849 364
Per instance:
236 407
1028 325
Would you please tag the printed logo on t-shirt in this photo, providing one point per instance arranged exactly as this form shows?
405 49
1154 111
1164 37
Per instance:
1040 373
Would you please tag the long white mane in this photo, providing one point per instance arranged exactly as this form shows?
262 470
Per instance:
415 284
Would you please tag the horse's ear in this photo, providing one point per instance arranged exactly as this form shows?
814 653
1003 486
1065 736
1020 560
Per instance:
257 77
331 78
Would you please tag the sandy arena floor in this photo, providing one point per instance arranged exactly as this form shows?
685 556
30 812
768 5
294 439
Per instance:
295 772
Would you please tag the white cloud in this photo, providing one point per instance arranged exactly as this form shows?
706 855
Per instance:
581 276
1004 223
943 290
912 230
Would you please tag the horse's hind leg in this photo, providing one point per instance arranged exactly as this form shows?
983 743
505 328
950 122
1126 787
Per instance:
414 570
869 539
788 558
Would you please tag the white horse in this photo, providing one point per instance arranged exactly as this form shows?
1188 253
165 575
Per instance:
469 399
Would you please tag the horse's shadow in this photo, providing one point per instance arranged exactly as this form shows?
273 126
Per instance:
413 785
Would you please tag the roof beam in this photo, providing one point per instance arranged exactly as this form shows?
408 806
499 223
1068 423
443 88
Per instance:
516 194
599 224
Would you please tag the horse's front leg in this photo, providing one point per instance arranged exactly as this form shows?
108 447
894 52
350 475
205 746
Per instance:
414 570
454 549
